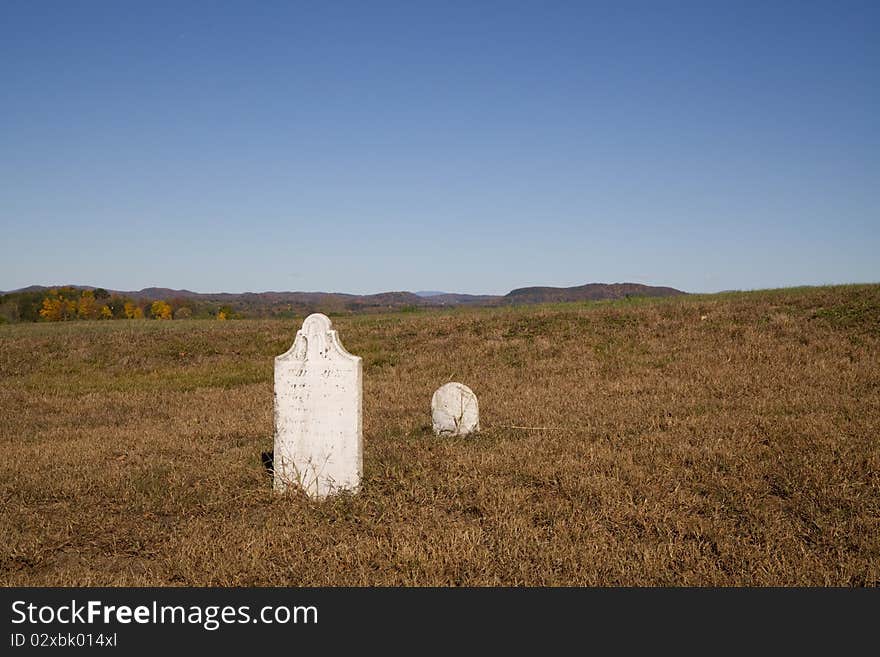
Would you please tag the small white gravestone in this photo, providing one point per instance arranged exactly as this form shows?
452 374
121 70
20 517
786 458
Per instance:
454 410
318 425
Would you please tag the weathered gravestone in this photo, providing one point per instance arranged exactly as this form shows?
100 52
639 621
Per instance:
318 426
454 410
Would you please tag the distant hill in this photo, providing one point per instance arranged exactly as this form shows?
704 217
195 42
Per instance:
33 288
589 292
449 299
281 304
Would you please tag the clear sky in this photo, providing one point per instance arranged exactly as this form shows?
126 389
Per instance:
460 146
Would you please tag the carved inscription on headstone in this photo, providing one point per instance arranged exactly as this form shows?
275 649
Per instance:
318 413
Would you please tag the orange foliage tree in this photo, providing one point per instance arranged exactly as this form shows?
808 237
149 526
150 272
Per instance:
160 310
132 311
51 310
56 308
88 307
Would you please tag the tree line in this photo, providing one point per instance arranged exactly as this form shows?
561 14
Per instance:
64 304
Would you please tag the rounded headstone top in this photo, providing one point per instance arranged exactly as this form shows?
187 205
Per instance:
454 410
316 323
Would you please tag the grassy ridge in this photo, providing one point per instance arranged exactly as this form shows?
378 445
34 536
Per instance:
707 440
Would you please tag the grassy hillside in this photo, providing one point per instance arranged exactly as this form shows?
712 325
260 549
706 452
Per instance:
699 440
30 304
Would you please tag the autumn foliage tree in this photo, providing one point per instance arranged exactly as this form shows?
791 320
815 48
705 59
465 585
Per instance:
87 307
116 304
57 308
51 310
68 303
132 311
160 310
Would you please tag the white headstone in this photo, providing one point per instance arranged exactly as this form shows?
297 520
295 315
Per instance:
454 410
318 425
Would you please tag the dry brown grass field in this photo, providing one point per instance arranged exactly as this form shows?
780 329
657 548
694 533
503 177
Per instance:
728 439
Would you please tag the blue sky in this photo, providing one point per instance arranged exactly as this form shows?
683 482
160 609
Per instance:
460 146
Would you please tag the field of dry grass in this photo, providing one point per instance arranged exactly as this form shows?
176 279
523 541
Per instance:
718 440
